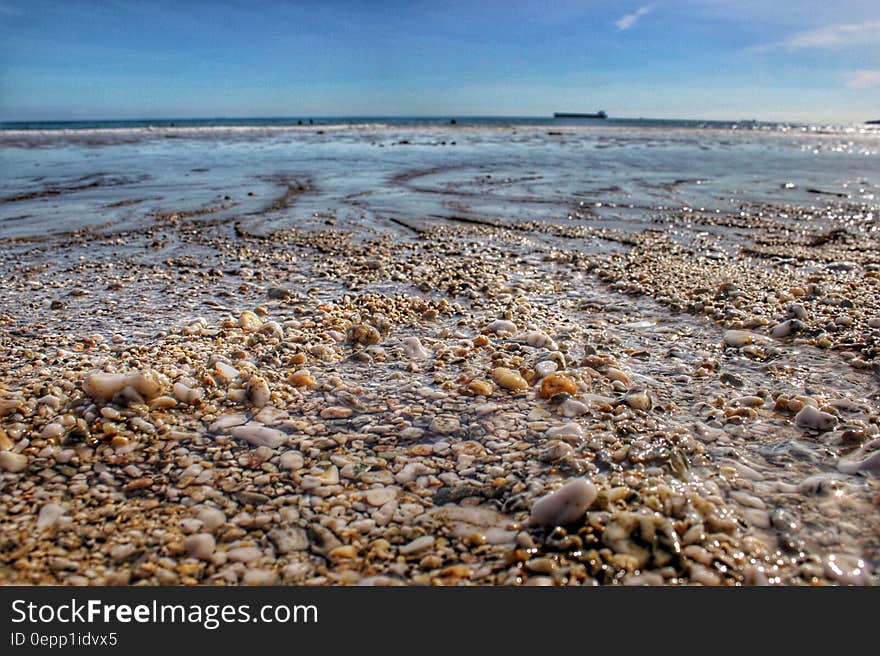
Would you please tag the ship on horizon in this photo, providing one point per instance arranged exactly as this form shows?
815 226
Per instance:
600 114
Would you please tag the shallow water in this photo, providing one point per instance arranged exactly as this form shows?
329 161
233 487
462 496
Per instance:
60 181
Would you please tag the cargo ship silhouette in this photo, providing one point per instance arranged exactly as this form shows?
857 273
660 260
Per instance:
600 114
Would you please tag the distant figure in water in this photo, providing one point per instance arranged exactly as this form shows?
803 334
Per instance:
299 122
311 122
452 122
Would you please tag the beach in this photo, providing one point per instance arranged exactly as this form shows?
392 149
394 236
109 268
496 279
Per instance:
487 354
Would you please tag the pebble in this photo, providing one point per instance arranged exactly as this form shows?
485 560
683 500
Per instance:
190 525
556 384
444 425
52 432
186 394
50 400
260 577
244 554
540 339
570 429
259 435
336 412
302 378
249 322
615 374
573 408
819 483
227 373
200 546
739 338
501 326
289 540
227 421
545 368
638 400
812 418
852 465
258 392
479 387
509 379
102 386
211 518
565 505
291 460
786 328
414 349
379 496
122 552
13 462
797 311
418 546
49 515
362 334
412 471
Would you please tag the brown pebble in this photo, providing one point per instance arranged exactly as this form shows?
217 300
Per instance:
138 484
556 384
301 379
479 387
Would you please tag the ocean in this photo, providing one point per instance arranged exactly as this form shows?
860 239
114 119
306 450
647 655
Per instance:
60 176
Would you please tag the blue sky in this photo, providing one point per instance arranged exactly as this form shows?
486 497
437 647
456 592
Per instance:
769 59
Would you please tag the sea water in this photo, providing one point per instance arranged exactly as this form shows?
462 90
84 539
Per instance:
57 177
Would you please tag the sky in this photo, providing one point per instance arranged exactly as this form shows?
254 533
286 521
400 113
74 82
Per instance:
798 60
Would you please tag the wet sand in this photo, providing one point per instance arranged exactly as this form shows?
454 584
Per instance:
214 397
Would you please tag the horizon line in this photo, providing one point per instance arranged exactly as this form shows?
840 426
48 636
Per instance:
409 116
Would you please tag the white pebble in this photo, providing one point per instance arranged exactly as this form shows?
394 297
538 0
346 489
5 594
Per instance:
211 518
573 408
501 326
740 338
189 525
813 418
226 421
545 368
417 546
259 435
244 554
200 546
786 328
49 515
570 429
414 349
379 496
565 505
540 339
291 460
853 465
102 386
13 462
260 577
52 431
225 372
186 394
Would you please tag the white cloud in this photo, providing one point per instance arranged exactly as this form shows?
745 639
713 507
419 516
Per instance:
864 80
831 36
626 22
